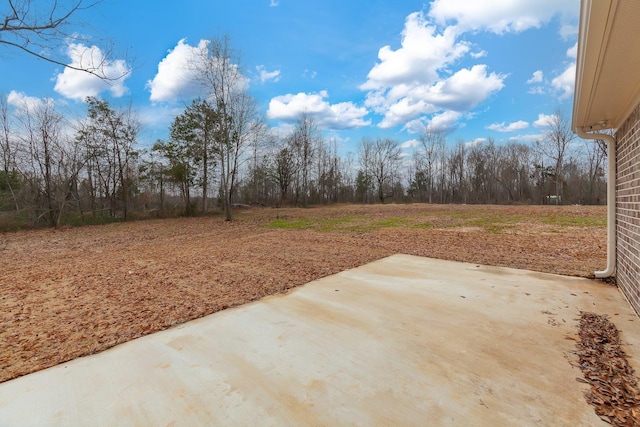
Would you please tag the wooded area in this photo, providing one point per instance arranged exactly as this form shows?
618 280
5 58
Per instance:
54 173
220 153
95 170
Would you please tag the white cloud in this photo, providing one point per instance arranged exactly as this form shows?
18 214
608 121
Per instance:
412 143
417 80
480 54
499 16
76 84
334 137
511 127
538 82
31 105
465 89
289 107
461 92
23 102
265 75
537 77
159 115
476 142
562 84
422 53
444 122
568 31
274 3
402 111
282 130
176 79
416 126
565 82
544 120
537 90
343 115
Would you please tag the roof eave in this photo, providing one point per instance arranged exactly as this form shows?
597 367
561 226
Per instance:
593 24
607 86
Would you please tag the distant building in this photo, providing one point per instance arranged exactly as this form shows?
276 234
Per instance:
553 200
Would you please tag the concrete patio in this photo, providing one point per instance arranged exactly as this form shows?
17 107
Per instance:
401 341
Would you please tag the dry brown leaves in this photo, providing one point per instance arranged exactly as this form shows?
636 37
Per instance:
614 388
72 292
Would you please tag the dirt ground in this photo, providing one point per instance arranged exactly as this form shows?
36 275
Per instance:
76 291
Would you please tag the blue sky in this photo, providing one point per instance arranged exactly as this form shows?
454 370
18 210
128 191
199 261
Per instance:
474 70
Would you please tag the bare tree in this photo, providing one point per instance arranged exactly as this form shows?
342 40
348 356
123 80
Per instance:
555 145
39 27
179 170
303 141
347 177
596 154
602 144
379 159
50 161
512 172
259 181
239 124
41 127
7 151
480 164
331 178
457 163
431 144
283 170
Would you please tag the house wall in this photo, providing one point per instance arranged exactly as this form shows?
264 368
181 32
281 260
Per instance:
628 209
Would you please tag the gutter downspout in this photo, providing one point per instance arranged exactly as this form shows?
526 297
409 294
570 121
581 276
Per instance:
611 199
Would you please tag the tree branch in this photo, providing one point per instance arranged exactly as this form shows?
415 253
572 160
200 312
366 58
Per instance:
26 26
90 70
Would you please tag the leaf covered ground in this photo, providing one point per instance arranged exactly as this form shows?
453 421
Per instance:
614 391
76 291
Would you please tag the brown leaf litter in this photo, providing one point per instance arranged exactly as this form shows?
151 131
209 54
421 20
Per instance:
614 392
77 291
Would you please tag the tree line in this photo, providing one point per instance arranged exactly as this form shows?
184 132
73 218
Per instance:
220 154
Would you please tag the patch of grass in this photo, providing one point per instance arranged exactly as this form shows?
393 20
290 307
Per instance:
481 222
502 219
497 229
390 222
576 221
463 215
332 224
493 224
423 225
357 225
491 221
